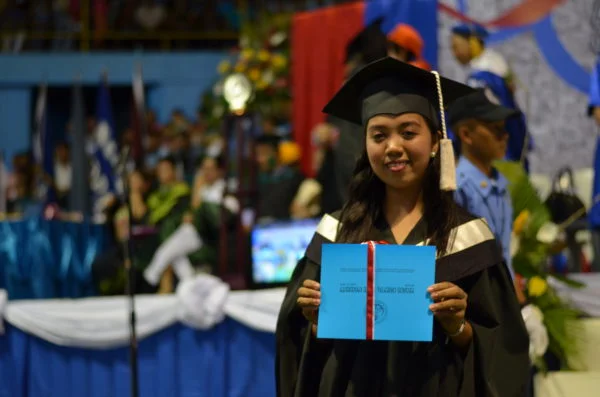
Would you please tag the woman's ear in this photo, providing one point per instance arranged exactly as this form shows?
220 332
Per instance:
436 144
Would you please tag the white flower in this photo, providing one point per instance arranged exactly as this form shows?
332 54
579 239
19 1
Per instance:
548 233
538 334
277 38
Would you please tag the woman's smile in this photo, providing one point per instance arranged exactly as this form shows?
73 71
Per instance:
397 165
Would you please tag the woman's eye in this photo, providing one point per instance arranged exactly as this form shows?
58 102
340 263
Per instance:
408 134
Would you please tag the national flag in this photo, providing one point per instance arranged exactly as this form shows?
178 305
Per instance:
105 178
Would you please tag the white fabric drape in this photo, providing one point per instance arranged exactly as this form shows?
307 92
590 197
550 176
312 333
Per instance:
201 302
3 299
102 323
587 298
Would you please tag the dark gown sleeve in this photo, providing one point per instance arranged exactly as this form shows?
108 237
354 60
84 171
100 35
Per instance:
294 345
497 361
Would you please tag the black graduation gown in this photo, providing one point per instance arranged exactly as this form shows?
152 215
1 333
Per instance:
495 364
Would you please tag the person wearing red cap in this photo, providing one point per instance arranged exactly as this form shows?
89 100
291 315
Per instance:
406 45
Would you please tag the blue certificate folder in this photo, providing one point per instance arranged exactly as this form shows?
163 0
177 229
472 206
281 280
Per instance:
402 274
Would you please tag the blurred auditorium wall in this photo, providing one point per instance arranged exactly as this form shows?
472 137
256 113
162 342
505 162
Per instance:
174 80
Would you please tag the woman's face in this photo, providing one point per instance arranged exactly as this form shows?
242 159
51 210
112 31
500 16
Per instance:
399 149
137 182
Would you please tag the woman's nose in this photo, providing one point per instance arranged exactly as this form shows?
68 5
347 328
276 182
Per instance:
395 145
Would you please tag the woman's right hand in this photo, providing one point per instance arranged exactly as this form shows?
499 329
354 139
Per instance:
309 299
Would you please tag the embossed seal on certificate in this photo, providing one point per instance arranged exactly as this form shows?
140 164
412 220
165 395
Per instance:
380 311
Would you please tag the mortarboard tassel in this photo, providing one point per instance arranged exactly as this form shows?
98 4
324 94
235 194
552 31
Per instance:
447 165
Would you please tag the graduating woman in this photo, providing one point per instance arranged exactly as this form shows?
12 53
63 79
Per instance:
401 193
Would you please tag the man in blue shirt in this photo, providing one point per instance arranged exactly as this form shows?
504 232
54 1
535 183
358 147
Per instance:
478 121
479 125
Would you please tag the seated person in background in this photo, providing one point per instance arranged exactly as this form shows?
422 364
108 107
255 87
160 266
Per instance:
22 199
140 184
197 236
279 177
62 174
108 267
171 199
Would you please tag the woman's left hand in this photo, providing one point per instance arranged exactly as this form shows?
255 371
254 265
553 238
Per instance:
450 305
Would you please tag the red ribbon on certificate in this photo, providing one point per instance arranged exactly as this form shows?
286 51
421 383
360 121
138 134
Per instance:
371 286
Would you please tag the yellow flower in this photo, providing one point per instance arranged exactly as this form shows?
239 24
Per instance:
278 61
247 54
254 74
263 55
261 85
537 286
224 67
240 67
520 222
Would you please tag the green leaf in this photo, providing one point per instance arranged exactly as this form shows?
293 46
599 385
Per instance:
564 332
568 281
523 193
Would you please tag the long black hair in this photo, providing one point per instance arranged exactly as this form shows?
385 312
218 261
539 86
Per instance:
365 204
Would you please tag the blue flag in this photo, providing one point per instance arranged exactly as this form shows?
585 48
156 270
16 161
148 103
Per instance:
105 179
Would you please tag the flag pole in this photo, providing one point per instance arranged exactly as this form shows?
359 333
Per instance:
130 280
130 273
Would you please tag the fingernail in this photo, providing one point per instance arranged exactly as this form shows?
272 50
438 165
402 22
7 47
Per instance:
431 307
430 289
434 295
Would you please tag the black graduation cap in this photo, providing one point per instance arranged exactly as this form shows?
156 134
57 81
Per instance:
369 44
389 86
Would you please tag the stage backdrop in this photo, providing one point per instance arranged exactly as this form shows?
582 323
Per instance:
548 44
318 43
